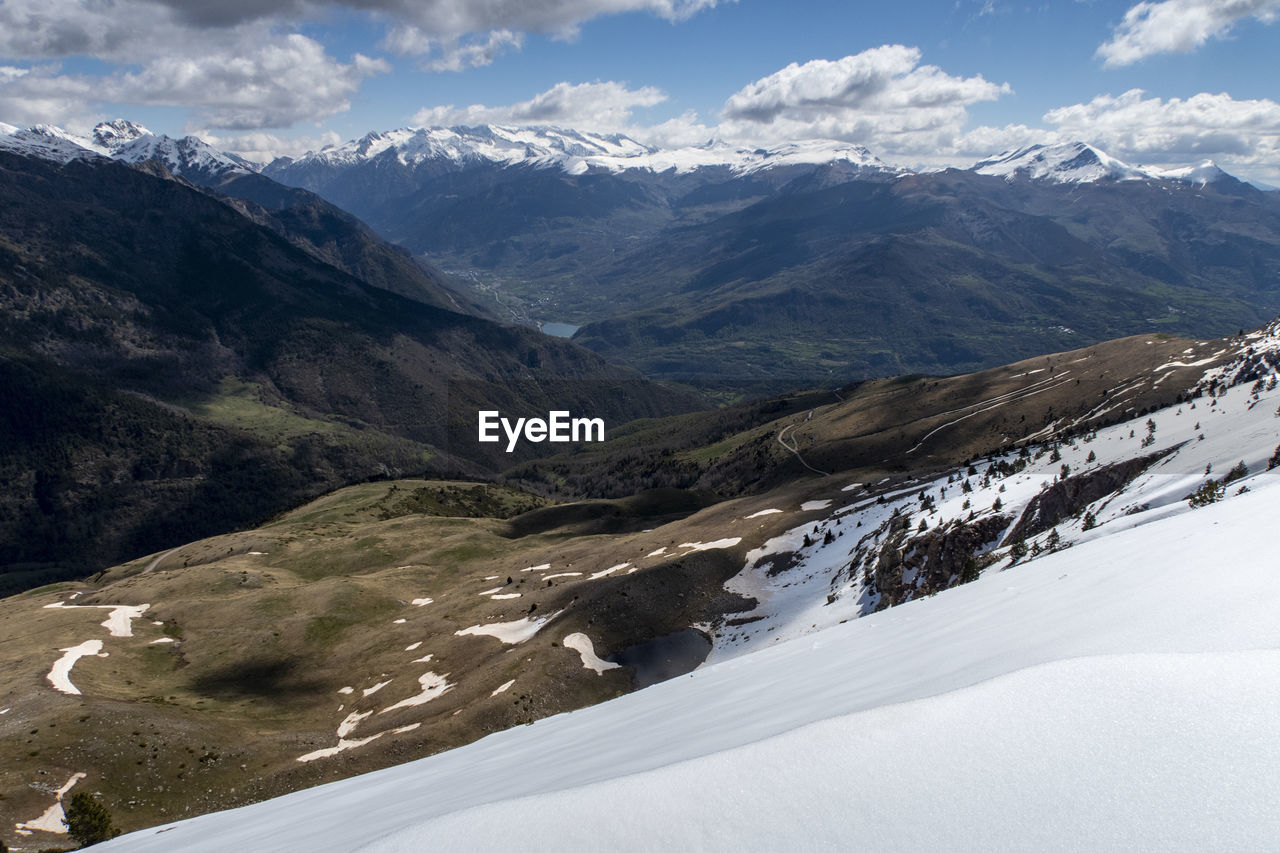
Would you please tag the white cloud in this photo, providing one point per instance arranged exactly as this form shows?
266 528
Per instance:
417 25
241 79
457 56
276 83
1178 26
603 106
264 147
41 94
1176 130
242 64
111 30
882 98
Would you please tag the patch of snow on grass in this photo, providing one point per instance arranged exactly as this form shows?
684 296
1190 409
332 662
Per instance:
510 633
581 644
505 596
496 589
54 819
608 571
421 602
433 686
342 746
119 620
412 646
708 546
503 688
541 568
423 659
398 621
809 506
60 675
563 575
762 513
375 688
349 723
161 640
346 690
657 553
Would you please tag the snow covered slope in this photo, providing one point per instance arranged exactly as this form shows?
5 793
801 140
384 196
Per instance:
1120 693
1204 172
1067 163
877 550
1116 688
576 151
46 142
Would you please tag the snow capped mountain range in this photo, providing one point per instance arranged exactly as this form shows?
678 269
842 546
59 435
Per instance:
572 151
129 143
577 152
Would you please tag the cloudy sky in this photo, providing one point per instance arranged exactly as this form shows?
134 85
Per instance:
1161 82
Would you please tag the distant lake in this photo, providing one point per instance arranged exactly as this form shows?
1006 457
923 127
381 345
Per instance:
559 330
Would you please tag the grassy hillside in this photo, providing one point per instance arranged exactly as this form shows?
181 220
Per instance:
178 365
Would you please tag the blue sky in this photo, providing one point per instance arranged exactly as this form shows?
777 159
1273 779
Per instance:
919 83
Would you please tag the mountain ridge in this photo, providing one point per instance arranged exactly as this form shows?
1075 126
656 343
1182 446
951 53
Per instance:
572 151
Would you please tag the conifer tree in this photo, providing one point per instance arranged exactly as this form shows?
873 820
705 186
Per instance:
88 820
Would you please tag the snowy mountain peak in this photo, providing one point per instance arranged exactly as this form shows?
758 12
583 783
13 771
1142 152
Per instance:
1065 163
1204 172
111 135
189 156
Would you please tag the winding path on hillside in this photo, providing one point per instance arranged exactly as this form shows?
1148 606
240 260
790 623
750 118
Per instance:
795 450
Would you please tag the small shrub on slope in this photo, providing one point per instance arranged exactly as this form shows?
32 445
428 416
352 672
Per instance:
88 820
1239 472
1210 491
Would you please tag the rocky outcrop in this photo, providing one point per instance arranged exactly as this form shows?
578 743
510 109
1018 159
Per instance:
911 563
1067 497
